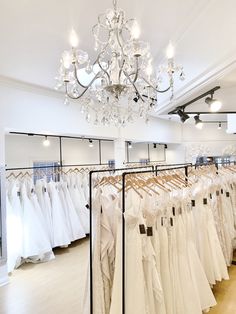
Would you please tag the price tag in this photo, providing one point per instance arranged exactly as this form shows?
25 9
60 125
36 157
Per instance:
142 229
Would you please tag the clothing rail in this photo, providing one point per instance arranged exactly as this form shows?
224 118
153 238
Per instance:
189 164
58 166
91 173
124 175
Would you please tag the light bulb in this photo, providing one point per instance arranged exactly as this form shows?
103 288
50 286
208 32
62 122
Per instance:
215 106
170 51
135 30
199 125
74 40
46 142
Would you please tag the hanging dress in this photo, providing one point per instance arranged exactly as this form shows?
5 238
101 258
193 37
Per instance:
45 204
35 241
60 231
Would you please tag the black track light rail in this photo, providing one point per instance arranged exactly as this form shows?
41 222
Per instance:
214 122
210 92
62 136
207 112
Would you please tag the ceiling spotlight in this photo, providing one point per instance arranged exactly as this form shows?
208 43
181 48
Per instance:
165 146
183 116
129 145
219 126
154 145
214 104
90 143
198 122
46 142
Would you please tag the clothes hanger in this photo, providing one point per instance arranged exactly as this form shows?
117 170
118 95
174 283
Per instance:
168 180
19 174
27 174
12 174
156 182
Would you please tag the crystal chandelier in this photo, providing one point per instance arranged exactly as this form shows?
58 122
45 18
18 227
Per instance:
122 85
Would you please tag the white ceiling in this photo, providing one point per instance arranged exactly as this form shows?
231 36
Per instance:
33 35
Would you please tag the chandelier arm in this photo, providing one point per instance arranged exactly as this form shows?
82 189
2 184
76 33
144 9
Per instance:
121 69
104 70
121 47
138 93
99 20
86 88
137 71
96 36
157 90
76 77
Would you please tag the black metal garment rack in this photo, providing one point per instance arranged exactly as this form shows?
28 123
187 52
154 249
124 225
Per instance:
124 175
91 173
59 166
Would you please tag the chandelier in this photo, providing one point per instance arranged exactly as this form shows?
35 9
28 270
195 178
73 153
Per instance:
121 85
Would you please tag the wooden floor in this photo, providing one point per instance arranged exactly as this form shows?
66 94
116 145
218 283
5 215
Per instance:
225 293
57 287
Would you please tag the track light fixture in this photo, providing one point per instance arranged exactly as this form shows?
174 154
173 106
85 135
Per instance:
129 144
183 116
219 126
165 146
90 143
198 122
154 145
46 141
214 104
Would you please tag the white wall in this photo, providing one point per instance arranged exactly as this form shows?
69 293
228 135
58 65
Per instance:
29 109
209 141
3 265
22 151
140 151
231 123
175 153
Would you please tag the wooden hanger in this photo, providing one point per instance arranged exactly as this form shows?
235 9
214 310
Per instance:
12 174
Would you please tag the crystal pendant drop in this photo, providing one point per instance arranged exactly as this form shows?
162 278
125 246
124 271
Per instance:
88 117
147 120
82 110
66 101
96 122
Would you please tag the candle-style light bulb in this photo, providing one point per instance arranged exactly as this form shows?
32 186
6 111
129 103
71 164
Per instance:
170 51
74 40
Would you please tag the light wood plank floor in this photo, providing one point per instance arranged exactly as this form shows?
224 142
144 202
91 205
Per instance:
225 293
57 287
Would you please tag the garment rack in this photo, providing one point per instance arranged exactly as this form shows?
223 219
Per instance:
124 175
57 166
91 173
154 169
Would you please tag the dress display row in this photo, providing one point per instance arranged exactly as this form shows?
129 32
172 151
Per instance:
178 244
43 216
